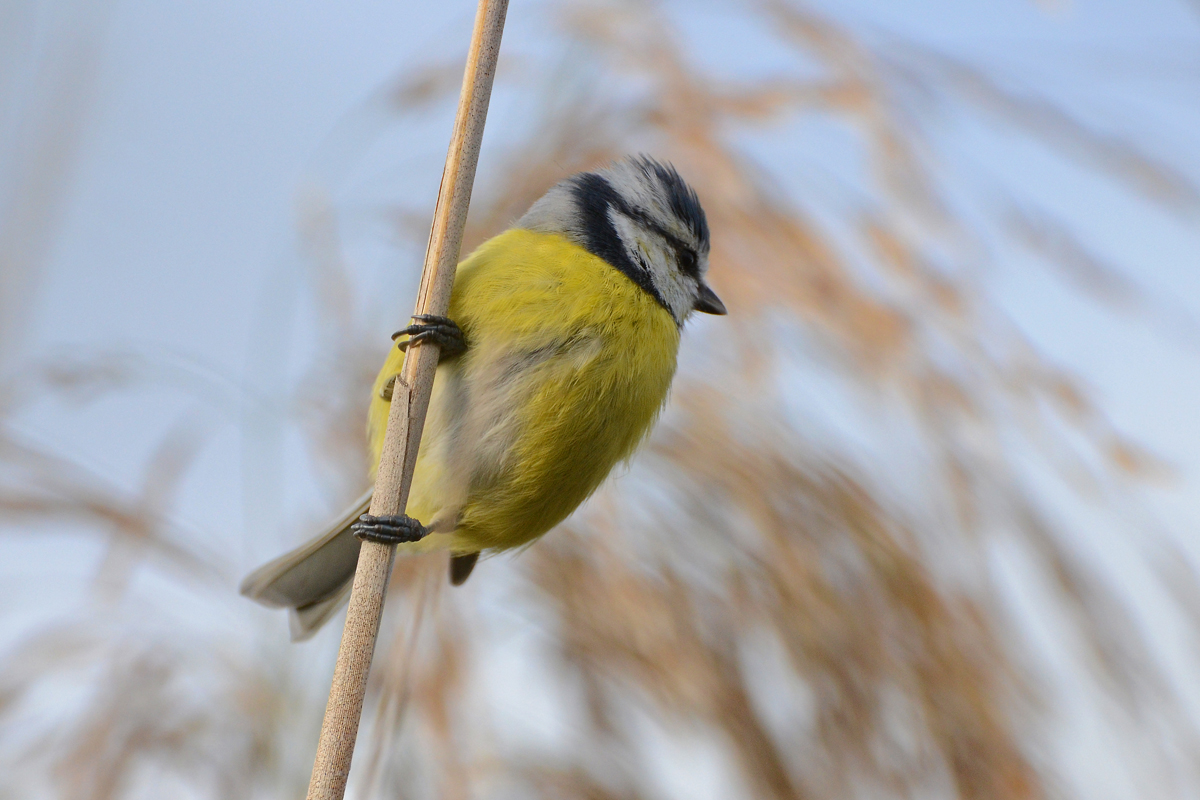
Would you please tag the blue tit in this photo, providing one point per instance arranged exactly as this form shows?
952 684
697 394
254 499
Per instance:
556 356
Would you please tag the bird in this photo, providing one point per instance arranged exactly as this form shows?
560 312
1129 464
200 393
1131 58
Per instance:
555 358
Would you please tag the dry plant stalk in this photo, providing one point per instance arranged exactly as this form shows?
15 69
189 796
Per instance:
406 418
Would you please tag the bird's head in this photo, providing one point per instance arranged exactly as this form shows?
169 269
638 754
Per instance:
640 216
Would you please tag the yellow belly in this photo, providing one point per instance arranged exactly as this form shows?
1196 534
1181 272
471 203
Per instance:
567 365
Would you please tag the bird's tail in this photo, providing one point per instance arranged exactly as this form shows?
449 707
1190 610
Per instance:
312 581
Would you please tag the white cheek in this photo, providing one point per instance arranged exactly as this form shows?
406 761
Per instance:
672 286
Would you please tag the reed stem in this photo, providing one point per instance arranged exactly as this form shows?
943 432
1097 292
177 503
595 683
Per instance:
410 400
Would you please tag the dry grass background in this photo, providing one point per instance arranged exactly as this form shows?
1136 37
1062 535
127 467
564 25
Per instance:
763 604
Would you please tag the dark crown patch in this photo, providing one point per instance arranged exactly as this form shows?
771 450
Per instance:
681 198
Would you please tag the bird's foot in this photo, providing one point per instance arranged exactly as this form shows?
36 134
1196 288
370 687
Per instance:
442 331
397 529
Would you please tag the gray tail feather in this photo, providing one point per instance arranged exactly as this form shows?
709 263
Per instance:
314 579
303 622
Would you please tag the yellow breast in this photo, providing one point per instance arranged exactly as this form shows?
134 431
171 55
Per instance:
567 364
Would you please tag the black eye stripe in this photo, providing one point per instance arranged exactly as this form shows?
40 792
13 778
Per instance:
686 255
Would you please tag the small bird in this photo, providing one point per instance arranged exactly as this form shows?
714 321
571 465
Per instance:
555 359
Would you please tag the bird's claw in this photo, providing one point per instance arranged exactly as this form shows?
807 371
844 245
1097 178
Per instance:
396 529
442 331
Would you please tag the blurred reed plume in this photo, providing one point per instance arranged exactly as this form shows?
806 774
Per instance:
845 564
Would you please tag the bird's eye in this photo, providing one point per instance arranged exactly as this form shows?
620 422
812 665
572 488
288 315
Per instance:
688 264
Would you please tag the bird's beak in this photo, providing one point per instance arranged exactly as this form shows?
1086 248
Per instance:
708 302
